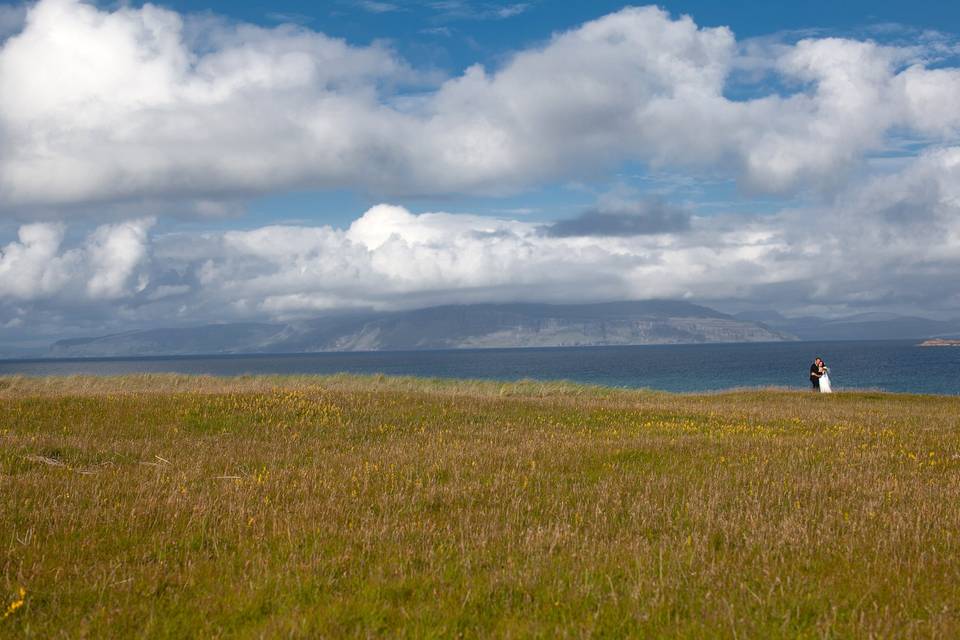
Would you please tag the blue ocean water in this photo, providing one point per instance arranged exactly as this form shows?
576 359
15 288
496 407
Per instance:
885 365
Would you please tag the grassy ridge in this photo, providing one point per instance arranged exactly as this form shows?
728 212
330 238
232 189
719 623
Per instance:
176 506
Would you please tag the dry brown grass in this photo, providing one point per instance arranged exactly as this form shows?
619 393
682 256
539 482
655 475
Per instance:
177 506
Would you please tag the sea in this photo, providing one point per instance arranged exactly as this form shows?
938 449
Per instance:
889 365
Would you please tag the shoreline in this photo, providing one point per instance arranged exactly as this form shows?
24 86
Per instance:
18 385
864 366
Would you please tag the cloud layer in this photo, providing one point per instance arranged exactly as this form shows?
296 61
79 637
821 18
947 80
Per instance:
892 241
145 103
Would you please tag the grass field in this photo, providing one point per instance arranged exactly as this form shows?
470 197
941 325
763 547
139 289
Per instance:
171 506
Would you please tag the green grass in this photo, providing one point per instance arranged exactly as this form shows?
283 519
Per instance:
176 506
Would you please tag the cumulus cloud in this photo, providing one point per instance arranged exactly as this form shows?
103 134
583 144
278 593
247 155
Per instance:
36 267
138 103
31 267
124 108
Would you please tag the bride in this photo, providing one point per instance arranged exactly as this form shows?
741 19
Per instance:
825 379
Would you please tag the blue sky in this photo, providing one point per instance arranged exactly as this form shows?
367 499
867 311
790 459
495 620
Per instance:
193 162
454 34
480 29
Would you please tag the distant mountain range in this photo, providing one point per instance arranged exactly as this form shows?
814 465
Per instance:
446 327
504 325
864 326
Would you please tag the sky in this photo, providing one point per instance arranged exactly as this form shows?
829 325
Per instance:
183 163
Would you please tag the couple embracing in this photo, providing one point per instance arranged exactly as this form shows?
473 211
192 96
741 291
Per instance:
819 376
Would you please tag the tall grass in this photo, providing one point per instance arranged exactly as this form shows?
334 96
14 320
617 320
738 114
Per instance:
177 506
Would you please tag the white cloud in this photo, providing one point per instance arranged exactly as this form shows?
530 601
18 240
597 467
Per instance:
113 253
129 106
31 266
374 6
35 267
124 108
474 10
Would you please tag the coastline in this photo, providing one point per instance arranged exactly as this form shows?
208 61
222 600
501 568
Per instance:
940 342
204 384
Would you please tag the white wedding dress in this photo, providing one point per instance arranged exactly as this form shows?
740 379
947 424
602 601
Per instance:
825 383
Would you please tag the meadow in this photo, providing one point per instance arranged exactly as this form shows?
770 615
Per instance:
344 506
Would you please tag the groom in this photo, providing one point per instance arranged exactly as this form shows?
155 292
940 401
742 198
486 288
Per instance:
816 371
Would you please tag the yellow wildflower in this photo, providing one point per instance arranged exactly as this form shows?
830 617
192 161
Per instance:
16 604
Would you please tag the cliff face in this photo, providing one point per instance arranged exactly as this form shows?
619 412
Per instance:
449 327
